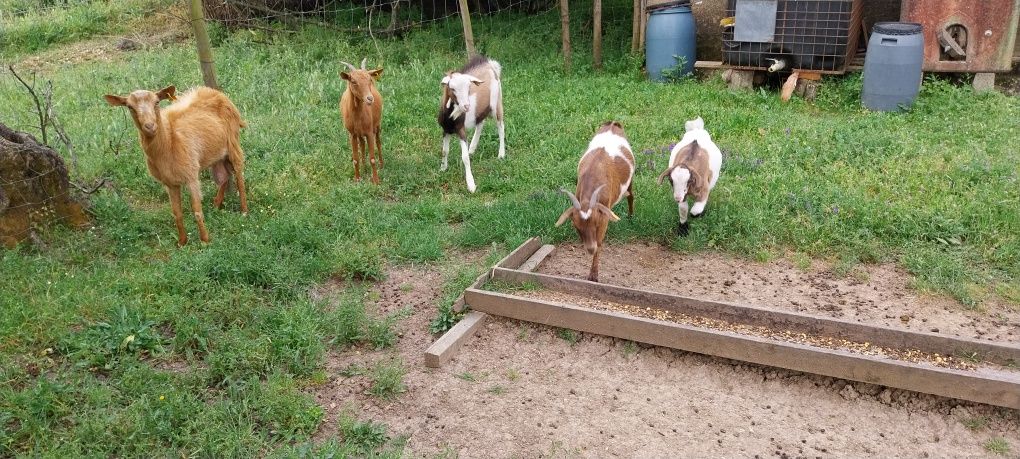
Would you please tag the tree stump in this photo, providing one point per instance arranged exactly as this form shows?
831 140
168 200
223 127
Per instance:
34 188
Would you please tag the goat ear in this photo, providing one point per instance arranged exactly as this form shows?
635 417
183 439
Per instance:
665 174
345 76
446 80
609 213
116 101
694 182
564 216
376 73
169 92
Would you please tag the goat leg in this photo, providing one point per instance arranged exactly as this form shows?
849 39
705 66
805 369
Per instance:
682 229
630 199
371 158
378 145
175 206
465 156
355 158
446 152
593 275
221 175
237 164
195 192
476 137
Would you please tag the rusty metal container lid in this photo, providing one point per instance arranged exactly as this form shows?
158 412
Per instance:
897 28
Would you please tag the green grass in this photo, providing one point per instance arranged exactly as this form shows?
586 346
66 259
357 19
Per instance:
388 379
226 333
29 26
997 446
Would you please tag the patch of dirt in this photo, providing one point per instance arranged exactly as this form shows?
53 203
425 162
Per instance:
151 31
516 389
884 298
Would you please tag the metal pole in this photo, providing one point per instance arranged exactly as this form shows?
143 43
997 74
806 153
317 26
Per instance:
205 58
469 37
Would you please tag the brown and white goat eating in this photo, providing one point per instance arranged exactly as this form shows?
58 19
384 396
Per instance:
694 166
604 177
361 108
469 97
199 130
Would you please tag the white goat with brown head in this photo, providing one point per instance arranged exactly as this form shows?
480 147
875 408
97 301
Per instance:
469 97
604 177
694 166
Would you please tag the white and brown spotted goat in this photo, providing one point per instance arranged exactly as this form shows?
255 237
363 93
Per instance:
469 97
694 166
604 177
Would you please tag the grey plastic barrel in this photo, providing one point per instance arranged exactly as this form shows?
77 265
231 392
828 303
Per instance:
670 32
892 66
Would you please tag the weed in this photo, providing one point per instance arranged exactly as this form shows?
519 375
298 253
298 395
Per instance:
629 348
467 376
997 446
380 332
497 390
512 374
127 333
362 436
445 320
975 424
677 73
388 379
568 335
523 334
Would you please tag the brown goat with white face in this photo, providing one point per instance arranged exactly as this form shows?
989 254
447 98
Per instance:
361 107
198 131
604 177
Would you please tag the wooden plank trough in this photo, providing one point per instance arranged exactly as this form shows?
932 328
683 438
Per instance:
995 380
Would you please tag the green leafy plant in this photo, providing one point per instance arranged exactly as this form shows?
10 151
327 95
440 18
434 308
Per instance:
388 379
677 73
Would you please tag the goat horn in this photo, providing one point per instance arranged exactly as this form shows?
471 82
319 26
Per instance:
595 197
573 199
349 66
363 61
668 171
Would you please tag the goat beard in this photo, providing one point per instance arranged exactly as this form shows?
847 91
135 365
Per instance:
456 112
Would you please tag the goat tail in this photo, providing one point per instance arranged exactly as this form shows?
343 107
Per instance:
497 69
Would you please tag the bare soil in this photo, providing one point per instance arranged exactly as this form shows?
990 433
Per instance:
523 390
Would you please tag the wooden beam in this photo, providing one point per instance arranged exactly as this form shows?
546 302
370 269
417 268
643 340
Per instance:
597 35
469 36
982 385
458 304
878 335
520 254
565 26
447 345
536 260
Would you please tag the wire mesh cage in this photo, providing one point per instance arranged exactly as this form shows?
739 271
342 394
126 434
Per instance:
815 35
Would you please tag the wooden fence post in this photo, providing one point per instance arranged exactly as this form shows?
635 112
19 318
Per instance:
597 36
205 57
636 28
565 22
469 37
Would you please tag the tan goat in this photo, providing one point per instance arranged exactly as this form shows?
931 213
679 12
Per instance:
200 130
361 107
604 177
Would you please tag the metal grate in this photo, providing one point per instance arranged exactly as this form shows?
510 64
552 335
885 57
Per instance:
816 35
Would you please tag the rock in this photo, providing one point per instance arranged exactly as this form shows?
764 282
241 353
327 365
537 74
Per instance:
885 397
127 44
849 393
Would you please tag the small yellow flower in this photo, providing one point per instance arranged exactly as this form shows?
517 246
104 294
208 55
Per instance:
162 397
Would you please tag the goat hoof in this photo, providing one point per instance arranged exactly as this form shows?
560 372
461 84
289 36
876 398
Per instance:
181 243
683 229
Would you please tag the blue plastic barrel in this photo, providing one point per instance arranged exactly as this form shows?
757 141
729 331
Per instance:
670 32
892 66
